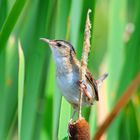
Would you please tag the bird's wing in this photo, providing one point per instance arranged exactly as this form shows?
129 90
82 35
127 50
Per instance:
93 83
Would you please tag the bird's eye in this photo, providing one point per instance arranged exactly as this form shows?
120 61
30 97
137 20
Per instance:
58 44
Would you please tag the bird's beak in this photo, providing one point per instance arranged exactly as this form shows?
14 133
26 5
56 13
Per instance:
50 42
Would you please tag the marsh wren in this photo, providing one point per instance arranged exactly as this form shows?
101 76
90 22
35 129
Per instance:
68 75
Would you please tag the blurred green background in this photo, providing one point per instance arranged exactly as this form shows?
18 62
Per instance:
31 106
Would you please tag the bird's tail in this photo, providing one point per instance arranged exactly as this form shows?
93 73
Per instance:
101 79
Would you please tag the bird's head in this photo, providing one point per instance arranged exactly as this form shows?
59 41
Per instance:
60 48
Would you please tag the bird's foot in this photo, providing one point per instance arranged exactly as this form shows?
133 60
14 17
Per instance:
70 121
69 127
83 86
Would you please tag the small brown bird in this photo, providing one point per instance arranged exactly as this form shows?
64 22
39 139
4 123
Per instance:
68 75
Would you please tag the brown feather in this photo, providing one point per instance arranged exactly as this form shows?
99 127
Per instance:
88 75
93 83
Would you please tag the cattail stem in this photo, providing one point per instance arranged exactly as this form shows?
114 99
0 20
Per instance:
84 60
79 130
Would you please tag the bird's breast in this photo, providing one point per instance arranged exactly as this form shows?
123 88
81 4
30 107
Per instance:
68 85
66 81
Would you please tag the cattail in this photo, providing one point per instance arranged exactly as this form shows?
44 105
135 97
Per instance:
79 130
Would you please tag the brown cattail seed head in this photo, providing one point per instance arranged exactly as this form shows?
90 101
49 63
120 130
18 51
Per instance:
79 130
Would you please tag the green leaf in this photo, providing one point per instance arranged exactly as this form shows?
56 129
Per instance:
76 11
49 93
64 119
35 66
21 73
115 45
10 22
62 19
127 123
3 12
8 94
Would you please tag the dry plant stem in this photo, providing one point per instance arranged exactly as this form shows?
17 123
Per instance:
86 49
119 105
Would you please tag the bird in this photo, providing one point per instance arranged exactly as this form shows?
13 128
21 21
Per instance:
68 75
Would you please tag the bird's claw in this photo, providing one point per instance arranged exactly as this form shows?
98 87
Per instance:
82 84
69 125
